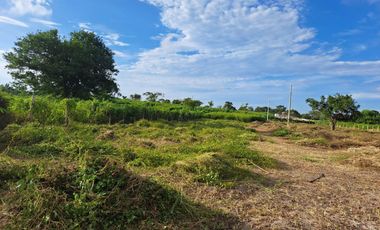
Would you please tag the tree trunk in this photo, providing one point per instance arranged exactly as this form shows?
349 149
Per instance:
333 123
67 113
30 115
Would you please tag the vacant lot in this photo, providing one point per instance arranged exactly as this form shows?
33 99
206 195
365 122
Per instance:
189 175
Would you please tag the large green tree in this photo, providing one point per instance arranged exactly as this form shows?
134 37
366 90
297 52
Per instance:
335 108
81 66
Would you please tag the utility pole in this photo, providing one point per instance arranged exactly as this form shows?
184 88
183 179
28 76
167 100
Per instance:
290 103
268 110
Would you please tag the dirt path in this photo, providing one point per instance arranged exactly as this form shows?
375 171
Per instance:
346 198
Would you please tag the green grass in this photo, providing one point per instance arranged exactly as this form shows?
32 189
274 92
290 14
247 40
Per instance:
281 132
50 110
76 176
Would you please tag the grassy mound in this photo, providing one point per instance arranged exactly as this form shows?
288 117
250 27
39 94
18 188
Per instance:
213 169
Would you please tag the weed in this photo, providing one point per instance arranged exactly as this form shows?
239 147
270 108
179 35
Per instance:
281 132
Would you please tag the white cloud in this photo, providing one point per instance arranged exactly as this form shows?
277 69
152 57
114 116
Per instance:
255 39
85 26
111 39
47 23
32 7
114 39
11 21
120 54
372 95
4 76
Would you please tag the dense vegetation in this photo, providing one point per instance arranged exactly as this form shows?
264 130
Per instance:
51 110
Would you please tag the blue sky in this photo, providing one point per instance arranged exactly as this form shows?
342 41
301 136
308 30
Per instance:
245 51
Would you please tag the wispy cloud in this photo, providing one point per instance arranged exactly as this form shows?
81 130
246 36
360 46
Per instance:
85 26
32 7
114 39
366 95
350 32
47 23
120 54
12 21
111 39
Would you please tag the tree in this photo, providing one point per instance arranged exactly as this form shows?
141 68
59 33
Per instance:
244 107
81 67
14 89
191 103
176 101
162 100
295 113
335 108
369 117
210 104
280 109
136 97
152 97
261 109
228 106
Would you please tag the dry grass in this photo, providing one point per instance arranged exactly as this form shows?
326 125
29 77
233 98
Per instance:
278 197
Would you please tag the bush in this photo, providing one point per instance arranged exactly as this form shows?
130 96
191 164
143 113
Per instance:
5 117
281 132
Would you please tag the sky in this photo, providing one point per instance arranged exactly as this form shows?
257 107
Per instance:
244 51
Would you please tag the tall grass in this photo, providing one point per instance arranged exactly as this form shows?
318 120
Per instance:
50 110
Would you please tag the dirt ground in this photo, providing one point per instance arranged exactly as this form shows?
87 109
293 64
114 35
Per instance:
347 197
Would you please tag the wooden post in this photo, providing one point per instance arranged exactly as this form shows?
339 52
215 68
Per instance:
30 115
268 111
290 103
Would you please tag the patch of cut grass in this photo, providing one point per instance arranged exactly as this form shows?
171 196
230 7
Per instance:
311 159
96 193
319 141
281 132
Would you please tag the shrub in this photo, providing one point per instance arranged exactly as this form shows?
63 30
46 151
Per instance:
5 117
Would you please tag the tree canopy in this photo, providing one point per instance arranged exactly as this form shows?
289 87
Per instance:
152 97
335 108
81 66
229 106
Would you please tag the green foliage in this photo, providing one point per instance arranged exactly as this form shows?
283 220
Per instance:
369 117
49 110
335 108
281 132
95 193
135 97
67 177
4 111
228 106
80 67
152 97
240 116
191 103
